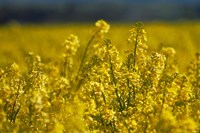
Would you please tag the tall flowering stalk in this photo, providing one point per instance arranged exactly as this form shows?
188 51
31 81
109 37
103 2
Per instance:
138 39
101 28
71 44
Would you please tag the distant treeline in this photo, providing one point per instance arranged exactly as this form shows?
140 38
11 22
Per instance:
91 12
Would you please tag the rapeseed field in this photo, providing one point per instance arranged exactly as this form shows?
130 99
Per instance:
126 78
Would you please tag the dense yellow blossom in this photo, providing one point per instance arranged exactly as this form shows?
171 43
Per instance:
141 92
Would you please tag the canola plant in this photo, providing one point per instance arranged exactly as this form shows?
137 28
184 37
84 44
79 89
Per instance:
101 91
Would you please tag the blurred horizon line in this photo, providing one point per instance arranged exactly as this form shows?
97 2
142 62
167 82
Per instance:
68 11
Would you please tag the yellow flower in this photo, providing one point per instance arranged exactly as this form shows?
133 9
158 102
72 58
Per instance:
168 117
71 44
168 51
102 26
189 125
59 128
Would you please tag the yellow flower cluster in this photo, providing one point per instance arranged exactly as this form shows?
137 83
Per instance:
71 45
102 26
102 92
144 93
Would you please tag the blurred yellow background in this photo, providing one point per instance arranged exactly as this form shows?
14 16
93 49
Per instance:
46 40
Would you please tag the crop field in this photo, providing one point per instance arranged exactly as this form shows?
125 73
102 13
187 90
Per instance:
126 78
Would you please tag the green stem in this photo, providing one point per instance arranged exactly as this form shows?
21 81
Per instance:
114 80
85 52
135 50
83 60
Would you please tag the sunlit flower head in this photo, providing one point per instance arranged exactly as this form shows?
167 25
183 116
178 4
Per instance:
71 44
103 26
168 51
